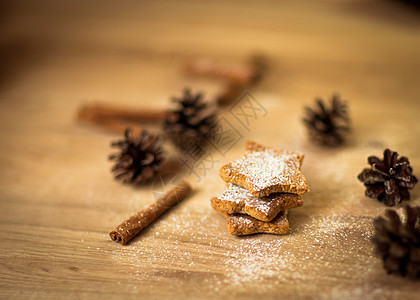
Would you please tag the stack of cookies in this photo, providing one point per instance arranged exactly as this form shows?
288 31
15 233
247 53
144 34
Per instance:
261 187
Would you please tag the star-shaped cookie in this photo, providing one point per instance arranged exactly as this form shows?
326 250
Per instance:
264 170
243 225
239 224
236 199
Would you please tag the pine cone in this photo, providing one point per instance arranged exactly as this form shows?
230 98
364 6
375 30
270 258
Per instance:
389 179
139 158
328 125
397 243
189 121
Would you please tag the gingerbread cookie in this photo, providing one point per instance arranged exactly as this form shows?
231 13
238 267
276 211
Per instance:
264 170
243 225
237 199
238 224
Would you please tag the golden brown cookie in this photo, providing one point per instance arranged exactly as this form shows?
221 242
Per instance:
238 224
236 199
264 170
243 225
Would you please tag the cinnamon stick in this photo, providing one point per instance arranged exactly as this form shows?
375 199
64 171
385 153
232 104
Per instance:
99 110
115 125
89 114
238 78
241 75
231 93
131 227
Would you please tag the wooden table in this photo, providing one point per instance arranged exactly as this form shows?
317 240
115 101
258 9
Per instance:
59 201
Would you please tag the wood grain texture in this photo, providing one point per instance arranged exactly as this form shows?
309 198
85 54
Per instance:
58 199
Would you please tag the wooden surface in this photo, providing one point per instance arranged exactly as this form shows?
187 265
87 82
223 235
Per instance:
58 200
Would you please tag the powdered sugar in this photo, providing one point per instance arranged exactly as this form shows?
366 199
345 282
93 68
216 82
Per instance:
240 221
253 261
268 168
266 262
298 255
265 168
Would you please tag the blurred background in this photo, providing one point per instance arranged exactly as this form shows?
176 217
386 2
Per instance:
59 200
133 50
58 55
